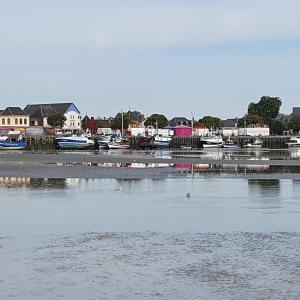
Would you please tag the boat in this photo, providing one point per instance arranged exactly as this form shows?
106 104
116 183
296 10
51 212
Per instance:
257 143
103 141
294 142
118 144
12 142
160 141
73 141
229 144
212 141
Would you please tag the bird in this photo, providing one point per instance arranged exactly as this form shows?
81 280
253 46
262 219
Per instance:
188 195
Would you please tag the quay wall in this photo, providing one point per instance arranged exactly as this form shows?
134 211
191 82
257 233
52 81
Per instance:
46 143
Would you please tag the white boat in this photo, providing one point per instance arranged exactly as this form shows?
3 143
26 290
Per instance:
212 141
74 141
294 142
114 145
257 143
160 141
229 144
103 141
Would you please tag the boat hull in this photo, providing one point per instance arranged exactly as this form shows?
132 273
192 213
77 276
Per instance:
12 146
118 146
218 145
253 146
293 145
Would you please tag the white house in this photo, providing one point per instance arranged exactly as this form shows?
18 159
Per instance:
39 114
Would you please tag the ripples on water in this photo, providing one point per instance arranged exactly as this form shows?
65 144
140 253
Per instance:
152 266
233 239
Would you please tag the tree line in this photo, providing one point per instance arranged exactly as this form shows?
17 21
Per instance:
263 112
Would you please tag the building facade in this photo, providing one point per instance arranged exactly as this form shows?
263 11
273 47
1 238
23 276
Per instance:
14 118
39 114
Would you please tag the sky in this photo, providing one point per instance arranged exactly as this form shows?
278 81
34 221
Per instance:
176 57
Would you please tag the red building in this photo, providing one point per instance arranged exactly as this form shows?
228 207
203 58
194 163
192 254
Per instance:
182 130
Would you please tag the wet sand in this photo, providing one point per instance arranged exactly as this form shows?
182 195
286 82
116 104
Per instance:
91 165
95 157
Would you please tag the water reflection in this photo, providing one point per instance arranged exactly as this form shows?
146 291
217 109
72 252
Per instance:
37 183
264 189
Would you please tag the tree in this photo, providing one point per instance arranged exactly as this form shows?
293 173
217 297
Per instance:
277 127
268 108
211 122
251 119
56 120
102 123
294 124
158 119
117 121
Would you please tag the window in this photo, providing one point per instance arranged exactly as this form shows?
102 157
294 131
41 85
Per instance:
21 121
8 121
3 121
25 121
16 121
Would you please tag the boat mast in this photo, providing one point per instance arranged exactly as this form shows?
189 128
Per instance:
122 122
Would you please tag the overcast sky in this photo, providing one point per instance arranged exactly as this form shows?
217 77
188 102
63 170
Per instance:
211 57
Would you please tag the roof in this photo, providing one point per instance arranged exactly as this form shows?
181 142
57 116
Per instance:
296 111
59 108
179 121
230 123
44 111
13 111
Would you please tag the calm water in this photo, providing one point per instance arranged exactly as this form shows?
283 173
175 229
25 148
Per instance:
145 239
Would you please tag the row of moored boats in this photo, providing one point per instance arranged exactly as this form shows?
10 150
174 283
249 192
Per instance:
15 141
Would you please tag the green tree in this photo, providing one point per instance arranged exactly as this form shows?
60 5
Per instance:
277 127
211 122
56 120
251 119
294 124
117 121
158 119
102 123
268 108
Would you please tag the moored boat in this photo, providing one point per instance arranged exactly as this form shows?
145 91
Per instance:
212 141
229 144
257 143
12 142
160 141
294 142
74 141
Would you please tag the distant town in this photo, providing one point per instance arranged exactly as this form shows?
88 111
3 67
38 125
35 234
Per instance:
263 119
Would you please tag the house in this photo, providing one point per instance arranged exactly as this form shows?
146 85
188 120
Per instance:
89 124
180 121
296 111
39 114
14 118
230 127
136 116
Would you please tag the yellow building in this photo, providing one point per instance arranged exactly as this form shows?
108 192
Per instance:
14 118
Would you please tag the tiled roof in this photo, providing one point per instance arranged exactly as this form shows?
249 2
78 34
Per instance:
13 111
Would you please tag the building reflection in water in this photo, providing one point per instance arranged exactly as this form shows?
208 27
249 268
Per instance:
263 189
37 183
